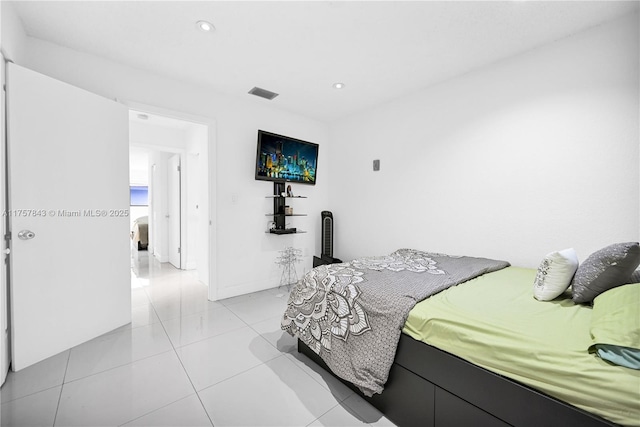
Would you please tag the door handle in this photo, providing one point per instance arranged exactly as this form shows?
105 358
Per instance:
26 235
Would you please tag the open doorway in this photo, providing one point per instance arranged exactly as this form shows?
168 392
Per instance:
139 206
169 161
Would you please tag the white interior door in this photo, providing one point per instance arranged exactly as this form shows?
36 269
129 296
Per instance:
173 209
68 203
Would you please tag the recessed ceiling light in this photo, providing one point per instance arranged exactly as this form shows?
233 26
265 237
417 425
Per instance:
205 26
338 85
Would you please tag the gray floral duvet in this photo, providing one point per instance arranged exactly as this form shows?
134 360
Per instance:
352 314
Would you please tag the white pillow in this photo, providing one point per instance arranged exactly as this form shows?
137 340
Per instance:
554 274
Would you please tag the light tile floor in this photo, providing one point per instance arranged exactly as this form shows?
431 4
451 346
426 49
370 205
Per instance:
185 361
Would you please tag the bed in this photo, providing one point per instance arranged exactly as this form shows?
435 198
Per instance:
480 351
140 233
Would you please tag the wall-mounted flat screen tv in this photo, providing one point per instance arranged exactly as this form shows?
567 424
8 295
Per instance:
281 158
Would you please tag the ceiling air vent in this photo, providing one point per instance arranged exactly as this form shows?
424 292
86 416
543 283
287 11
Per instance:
263 93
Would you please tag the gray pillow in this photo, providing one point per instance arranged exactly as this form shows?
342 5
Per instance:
635 276
605 269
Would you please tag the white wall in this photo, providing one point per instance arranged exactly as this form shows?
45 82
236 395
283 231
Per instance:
197 207
157 137
532 154
245 253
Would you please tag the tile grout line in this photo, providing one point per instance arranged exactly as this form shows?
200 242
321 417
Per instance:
183 369
173 348
240 373
150 302
325 413
125 364
64 377
206 338
154 410
230 331
5 402
118 366
192 314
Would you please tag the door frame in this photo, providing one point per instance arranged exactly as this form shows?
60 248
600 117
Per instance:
5 326
211 125
171 208
182 200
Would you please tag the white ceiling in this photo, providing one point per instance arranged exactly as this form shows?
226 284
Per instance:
381 50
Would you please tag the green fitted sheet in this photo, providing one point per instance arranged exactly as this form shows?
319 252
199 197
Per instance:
495 322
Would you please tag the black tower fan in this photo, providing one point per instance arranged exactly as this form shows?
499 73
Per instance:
326 241
327 234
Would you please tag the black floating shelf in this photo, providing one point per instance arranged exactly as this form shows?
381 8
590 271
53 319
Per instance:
286 234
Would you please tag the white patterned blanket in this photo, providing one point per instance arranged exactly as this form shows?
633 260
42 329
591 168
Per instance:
352 314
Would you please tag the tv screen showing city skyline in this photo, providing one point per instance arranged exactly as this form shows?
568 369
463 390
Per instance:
280 158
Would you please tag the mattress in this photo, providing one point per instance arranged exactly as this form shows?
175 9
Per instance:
494 322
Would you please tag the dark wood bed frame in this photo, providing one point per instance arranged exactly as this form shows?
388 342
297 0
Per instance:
430 387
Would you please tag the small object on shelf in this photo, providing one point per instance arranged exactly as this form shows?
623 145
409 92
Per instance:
280 210
283 230
287 260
